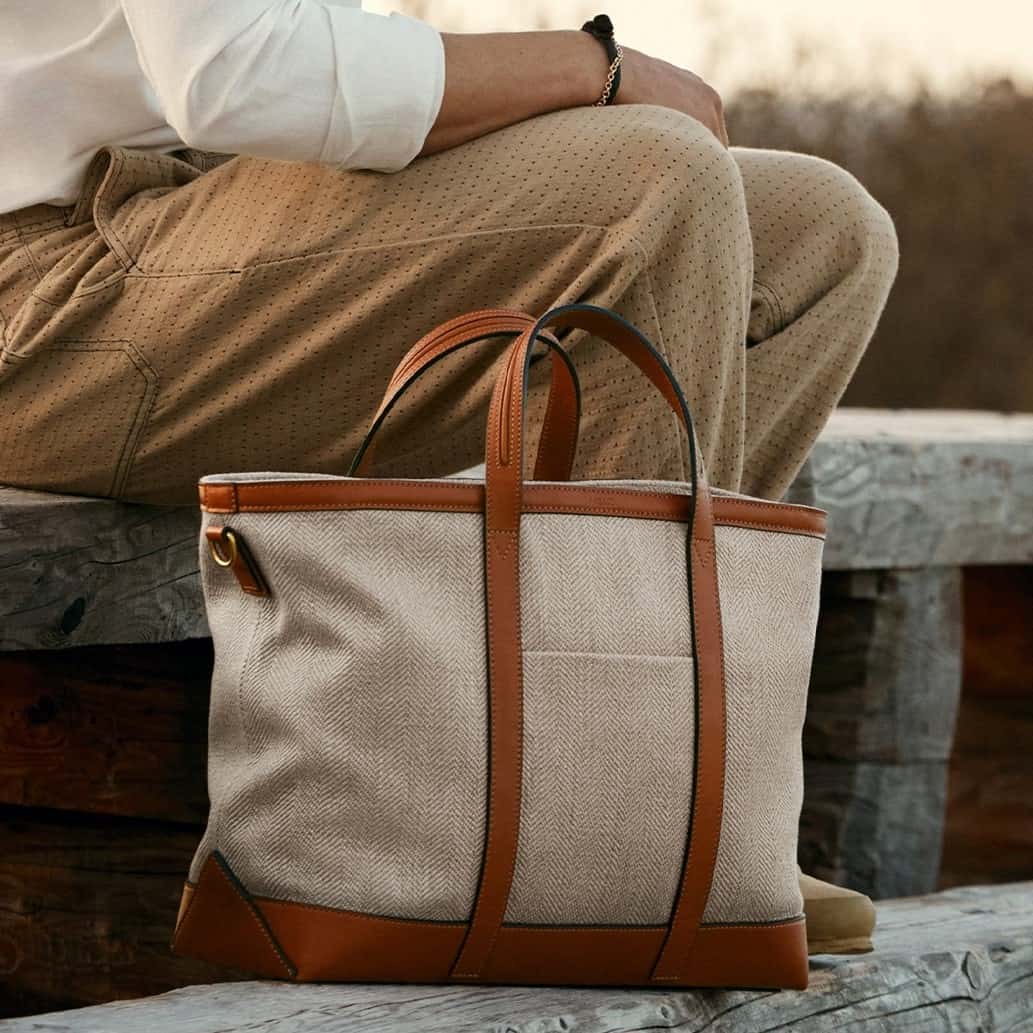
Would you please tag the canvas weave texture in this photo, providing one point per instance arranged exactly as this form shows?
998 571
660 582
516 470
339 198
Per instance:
348 745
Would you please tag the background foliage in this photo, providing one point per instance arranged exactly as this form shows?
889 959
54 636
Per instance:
956 173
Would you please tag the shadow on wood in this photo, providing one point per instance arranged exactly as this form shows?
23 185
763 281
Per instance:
961 960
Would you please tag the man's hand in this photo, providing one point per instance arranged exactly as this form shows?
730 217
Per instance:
648 80
493 80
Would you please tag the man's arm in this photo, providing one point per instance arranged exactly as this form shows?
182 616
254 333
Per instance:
494 80
291 79
305 81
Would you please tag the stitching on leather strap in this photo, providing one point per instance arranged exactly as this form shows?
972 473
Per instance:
708 793
505 678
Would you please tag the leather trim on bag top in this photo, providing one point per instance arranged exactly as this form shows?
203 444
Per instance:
468 497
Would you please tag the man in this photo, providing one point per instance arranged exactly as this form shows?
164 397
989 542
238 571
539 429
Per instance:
168 312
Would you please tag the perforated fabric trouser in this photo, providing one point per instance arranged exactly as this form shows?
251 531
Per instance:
178 322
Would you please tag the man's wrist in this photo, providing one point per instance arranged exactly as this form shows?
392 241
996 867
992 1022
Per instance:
589 67
601 29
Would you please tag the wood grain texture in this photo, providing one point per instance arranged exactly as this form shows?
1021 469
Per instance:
887 666
873 827
998 607
989 831
879 729
81 571
917 488
903 489
87 908
961 960
107 729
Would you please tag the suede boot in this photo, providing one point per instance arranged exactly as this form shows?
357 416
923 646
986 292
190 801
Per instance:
839 921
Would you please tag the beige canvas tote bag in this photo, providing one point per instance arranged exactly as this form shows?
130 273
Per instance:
505 730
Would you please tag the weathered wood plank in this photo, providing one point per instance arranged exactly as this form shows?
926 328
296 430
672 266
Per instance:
879 730
998 609
87 907
989 830
913 488
887 666
903 489
872 826
108 729
80 571
961 960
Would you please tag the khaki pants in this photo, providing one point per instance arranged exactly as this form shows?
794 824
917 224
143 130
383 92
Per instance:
178 322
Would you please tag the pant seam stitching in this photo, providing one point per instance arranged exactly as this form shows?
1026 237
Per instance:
143 409
143 271
28 253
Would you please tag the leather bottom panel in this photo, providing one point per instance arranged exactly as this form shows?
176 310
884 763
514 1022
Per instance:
314 944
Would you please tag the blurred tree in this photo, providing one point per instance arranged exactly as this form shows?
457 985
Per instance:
956 173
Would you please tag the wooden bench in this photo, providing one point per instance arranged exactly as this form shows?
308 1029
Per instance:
961 960
102 746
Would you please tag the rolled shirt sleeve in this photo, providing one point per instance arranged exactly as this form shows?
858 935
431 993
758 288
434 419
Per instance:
300 80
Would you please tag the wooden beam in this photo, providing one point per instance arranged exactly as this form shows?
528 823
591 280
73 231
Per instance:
956 960
879 730
80 571
88 907
903 489
118 730
916 488
989 832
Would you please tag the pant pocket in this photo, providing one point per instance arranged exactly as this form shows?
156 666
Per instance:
71 415
118 186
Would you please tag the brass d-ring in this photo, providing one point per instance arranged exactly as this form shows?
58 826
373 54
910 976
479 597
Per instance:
228 558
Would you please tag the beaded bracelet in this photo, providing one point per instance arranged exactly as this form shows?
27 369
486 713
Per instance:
602 29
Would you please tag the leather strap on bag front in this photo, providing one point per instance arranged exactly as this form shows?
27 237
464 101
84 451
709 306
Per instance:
503 508
558 441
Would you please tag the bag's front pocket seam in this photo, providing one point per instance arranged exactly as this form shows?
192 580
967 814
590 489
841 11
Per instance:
603 654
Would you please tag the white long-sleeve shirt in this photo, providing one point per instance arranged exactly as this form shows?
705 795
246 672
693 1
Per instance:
304 80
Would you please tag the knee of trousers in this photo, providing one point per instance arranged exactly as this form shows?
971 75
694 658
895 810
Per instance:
675 180
627 150
863 226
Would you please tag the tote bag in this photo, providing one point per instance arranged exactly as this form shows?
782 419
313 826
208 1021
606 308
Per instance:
505 730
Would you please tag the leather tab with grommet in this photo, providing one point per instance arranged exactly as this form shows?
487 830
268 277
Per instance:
227 549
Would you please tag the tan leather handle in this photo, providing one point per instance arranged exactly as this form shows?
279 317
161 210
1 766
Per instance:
504 447
503 509
558 441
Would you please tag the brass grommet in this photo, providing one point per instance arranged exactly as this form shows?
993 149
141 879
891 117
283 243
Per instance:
228 558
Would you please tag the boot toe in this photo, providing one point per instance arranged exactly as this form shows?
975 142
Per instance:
839 921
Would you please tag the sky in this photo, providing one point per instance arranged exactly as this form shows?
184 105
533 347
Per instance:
742 42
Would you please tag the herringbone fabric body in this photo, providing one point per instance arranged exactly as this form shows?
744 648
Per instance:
348 752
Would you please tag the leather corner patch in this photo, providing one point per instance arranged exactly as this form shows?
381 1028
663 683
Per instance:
221 924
